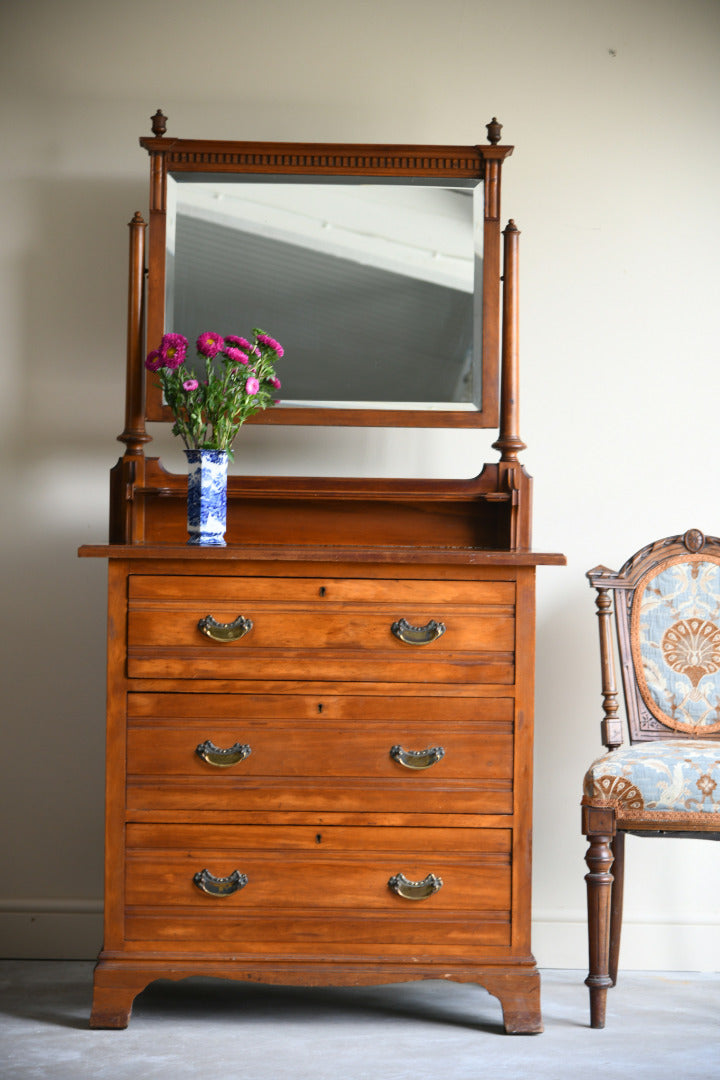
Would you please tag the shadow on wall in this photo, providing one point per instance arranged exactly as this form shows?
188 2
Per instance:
73 302
51 771
69 373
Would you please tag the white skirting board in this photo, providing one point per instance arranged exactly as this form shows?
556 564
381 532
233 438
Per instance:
72 930
648 943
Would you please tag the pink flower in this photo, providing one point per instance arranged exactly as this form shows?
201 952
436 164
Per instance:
238 342
236 355
173 349
190 384
271 343
240 349
153 362
252 386
274 381
210 344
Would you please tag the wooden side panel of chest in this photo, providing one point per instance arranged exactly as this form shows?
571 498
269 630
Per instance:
319 800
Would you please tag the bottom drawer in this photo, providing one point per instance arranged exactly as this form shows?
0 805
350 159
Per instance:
239 887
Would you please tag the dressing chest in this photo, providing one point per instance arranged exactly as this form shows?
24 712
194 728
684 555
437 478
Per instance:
319 737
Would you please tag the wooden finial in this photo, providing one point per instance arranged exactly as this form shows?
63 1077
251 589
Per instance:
159 123
494 130
693 540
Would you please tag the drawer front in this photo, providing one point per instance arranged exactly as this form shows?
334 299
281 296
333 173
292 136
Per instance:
230 752
321 628
303 590
253 883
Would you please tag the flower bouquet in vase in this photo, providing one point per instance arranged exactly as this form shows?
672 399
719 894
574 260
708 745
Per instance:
209 408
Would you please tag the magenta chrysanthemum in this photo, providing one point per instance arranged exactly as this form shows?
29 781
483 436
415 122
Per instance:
274 381
252 386
153 361
190 384
210 344
271 343
243 346
173 350
236 355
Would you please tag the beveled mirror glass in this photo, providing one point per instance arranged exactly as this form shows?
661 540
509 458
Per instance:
369 286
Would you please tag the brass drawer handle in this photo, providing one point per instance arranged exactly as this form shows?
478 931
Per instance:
220 886
231 631
223 759
417 759
415 890
418 635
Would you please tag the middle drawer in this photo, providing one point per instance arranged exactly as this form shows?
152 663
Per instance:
283 752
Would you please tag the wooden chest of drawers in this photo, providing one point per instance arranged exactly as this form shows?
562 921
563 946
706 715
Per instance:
319 738
319 772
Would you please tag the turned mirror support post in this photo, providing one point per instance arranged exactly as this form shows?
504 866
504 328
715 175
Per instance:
509 442
125 513
134 436
511 474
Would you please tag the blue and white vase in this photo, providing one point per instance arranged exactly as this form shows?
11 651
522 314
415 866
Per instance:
207 497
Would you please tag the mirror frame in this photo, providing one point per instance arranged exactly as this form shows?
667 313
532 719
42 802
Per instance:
193 157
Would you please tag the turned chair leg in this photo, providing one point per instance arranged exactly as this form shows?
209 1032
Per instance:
616 904
599 858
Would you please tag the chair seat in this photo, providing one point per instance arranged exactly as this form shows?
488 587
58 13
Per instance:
647 782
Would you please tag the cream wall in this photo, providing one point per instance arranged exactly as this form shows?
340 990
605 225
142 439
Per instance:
613 109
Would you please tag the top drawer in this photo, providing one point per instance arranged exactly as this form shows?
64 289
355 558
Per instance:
321 628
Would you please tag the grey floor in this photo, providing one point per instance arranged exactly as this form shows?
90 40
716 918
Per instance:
659 1025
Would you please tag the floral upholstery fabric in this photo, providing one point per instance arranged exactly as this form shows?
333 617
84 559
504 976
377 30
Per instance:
648 781
675 631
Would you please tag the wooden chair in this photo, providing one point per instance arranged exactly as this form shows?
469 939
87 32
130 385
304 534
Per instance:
666 782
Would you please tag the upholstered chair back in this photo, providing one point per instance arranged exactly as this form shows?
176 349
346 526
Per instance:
667 607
